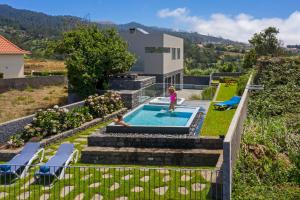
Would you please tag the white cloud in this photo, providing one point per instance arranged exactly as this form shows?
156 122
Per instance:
238 28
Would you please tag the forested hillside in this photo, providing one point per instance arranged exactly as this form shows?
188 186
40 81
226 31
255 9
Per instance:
32 30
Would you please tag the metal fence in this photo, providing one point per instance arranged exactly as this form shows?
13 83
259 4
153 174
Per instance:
231 144
92 182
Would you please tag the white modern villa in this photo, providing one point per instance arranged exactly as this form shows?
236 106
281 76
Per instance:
159 55
11 59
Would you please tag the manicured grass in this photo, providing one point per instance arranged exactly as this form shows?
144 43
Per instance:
108 177
216 122
226 92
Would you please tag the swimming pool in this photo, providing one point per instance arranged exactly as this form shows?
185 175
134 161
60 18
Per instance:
150 118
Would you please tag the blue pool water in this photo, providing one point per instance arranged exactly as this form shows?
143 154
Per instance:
154 115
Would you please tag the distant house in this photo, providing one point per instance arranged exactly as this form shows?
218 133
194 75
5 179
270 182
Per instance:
11 59
157 54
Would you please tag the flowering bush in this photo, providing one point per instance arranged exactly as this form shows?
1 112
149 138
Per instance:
56 120
100 106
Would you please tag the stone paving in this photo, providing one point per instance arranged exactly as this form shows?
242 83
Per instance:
107 174
115 186
161 190
66 190
127 177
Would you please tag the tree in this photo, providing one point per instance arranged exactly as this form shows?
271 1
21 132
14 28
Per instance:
266 43
249 59
92 55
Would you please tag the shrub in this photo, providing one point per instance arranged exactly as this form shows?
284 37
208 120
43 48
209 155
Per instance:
208 93
100 106
15 141
55 120
77 117
241 84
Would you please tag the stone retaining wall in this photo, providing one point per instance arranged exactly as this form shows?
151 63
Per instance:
153 141
33 82
150 156
124 84
196 80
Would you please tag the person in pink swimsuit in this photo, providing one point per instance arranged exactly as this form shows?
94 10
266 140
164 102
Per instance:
173 98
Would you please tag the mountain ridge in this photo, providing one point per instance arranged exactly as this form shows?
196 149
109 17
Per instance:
31 30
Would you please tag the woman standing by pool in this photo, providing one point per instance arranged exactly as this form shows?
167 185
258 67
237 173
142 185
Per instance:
173 98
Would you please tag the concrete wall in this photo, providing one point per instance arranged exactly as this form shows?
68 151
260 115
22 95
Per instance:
169 64
10 128
196 80
148 63
12 66
34 82
154 63
231 144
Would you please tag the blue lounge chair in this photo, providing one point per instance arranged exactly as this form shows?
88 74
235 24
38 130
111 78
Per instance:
57 164
234 101
20 164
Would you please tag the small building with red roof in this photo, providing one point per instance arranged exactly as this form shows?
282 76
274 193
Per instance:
11 59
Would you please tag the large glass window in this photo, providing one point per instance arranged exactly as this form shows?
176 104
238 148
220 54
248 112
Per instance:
178 53
157 50
173 53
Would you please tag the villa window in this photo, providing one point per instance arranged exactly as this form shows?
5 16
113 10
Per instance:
173 53
157 50
178 53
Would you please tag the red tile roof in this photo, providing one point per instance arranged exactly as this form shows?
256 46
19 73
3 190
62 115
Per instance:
7 47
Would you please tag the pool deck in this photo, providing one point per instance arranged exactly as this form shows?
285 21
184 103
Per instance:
203 104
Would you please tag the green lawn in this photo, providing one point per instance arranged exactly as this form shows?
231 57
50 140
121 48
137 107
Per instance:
110 182
216 122
226 92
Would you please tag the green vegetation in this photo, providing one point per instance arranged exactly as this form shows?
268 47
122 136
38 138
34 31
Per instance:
206 59
100 174
92 56
269 161
53 121
241 84
208 93
216 122
226 91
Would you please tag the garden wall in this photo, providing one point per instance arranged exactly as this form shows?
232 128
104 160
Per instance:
33 82
217 75
231 144
196 80
10 128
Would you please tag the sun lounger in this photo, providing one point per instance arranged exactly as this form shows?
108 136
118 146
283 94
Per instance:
57 164
234 101
20 164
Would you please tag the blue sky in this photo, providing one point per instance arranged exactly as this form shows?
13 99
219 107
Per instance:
193 16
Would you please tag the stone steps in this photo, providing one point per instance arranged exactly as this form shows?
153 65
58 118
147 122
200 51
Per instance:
151 156
154 141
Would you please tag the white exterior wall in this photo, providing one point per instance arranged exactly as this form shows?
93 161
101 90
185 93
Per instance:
12 66
169 64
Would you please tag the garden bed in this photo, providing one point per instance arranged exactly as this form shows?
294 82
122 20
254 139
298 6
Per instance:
8 153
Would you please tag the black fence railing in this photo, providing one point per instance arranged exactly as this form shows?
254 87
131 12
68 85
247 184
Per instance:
92 182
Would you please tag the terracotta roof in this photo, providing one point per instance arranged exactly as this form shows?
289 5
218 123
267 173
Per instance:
7 47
